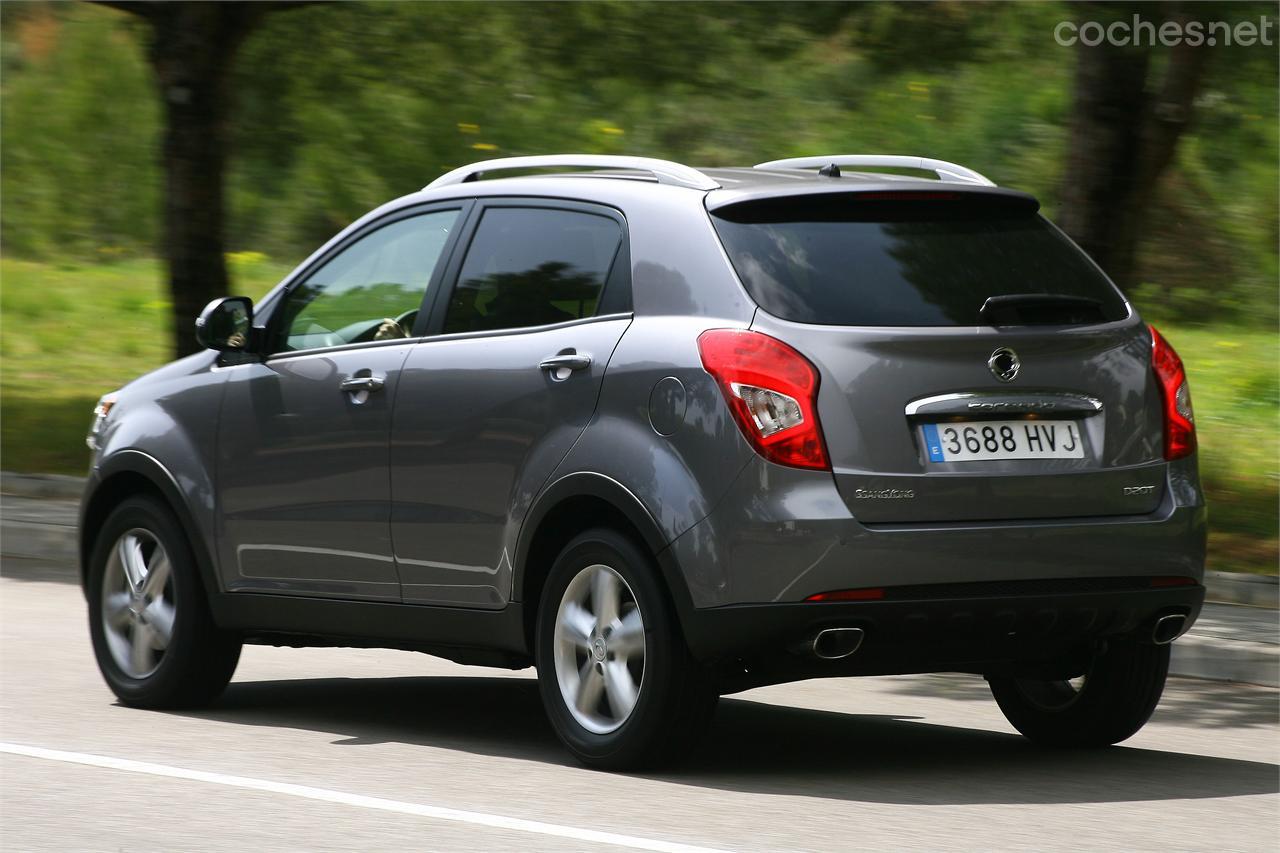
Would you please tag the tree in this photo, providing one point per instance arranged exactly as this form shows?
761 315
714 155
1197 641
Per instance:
1123 133
191 48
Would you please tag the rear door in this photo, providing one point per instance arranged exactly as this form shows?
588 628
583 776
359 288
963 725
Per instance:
975 365
490 404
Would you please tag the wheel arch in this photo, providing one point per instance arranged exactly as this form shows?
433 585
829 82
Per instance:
575 503
123 475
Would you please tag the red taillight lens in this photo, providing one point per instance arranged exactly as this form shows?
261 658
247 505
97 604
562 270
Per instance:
772 391
1179 420
874 593
1171 581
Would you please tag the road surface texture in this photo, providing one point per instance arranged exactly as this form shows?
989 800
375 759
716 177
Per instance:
339 749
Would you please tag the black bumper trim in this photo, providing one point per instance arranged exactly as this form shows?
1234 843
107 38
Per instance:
939 634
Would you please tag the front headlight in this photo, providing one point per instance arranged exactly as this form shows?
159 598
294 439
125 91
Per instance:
100 412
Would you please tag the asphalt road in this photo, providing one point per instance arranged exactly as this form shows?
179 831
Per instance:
321 749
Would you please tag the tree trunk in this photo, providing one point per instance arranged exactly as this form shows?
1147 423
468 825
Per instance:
1122 137
1104 142
191 50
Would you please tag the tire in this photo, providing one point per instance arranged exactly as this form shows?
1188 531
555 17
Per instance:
159 647
1119 692
671 696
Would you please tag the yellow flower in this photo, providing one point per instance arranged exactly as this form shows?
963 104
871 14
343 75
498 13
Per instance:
245 258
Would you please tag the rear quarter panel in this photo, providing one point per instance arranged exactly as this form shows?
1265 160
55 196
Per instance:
675 447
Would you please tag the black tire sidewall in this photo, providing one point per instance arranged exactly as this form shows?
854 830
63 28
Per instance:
665 653
1121 690
192 626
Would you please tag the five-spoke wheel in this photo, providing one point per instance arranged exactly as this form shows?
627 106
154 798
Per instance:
153 635
619 684
137 603
599 651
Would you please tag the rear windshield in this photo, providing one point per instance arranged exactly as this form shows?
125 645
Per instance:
840 261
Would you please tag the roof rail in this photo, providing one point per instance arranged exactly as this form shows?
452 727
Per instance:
944 170
665 171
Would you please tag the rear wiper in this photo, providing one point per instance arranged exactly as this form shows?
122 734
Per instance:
1040 309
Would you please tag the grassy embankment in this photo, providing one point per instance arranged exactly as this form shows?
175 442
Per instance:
69 333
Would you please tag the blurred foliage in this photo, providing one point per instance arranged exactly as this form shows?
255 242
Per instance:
344 106
79 122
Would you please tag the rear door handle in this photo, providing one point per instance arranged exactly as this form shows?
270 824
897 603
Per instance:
562 365
362 383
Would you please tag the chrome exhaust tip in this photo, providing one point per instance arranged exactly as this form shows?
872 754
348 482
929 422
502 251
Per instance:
836 643
1168 628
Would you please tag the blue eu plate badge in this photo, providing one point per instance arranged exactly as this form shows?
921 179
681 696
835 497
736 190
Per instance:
931 441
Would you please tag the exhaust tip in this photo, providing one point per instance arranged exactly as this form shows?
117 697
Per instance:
1168 628
836 643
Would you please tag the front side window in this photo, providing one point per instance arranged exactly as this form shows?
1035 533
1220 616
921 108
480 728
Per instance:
532 266
372 290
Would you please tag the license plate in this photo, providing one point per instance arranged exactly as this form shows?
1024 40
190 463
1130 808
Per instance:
980 440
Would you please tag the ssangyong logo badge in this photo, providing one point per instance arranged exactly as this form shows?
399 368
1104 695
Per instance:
885 494
1004 364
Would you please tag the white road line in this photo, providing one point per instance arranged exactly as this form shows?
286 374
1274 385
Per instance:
357 800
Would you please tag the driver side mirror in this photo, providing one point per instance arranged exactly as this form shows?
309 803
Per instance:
225 324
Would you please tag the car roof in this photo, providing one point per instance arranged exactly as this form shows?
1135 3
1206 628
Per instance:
615 180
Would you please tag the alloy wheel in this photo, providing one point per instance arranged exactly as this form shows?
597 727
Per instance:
138 604
599 649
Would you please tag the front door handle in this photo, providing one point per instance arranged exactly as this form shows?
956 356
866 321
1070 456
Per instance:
354 384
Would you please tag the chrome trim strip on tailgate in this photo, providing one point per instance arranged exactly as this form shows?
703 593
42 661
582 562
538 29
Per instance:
984 403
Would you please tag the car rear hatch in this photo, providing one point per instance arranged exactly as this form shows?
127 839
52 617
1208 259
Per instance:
974 363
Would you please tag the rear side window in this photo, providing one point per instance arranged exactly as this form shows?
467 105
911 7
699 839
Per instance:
840 261
533 266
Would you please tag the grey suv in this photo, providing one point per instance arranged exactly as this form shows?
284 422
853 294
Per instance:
667 434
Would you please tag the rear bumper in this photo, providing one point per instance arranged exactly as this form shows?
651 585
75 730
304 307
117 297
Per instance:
972 596
781 535
1045 627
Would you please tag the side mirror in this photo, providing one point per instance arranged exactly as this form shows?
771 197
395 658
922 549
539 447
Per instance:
225 323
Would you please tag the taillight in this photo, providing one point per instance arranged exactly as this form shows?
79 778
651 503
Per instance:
772 391
1179 420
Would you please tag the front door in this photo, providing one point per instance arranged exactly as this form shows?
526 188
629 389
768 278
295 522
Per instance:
303 437
489 405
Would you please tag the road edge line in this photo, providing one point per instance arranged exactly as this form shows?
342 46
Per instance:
358 800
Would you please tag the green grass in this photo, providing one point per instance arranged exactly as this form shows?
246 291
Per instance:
71 333
1236 395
